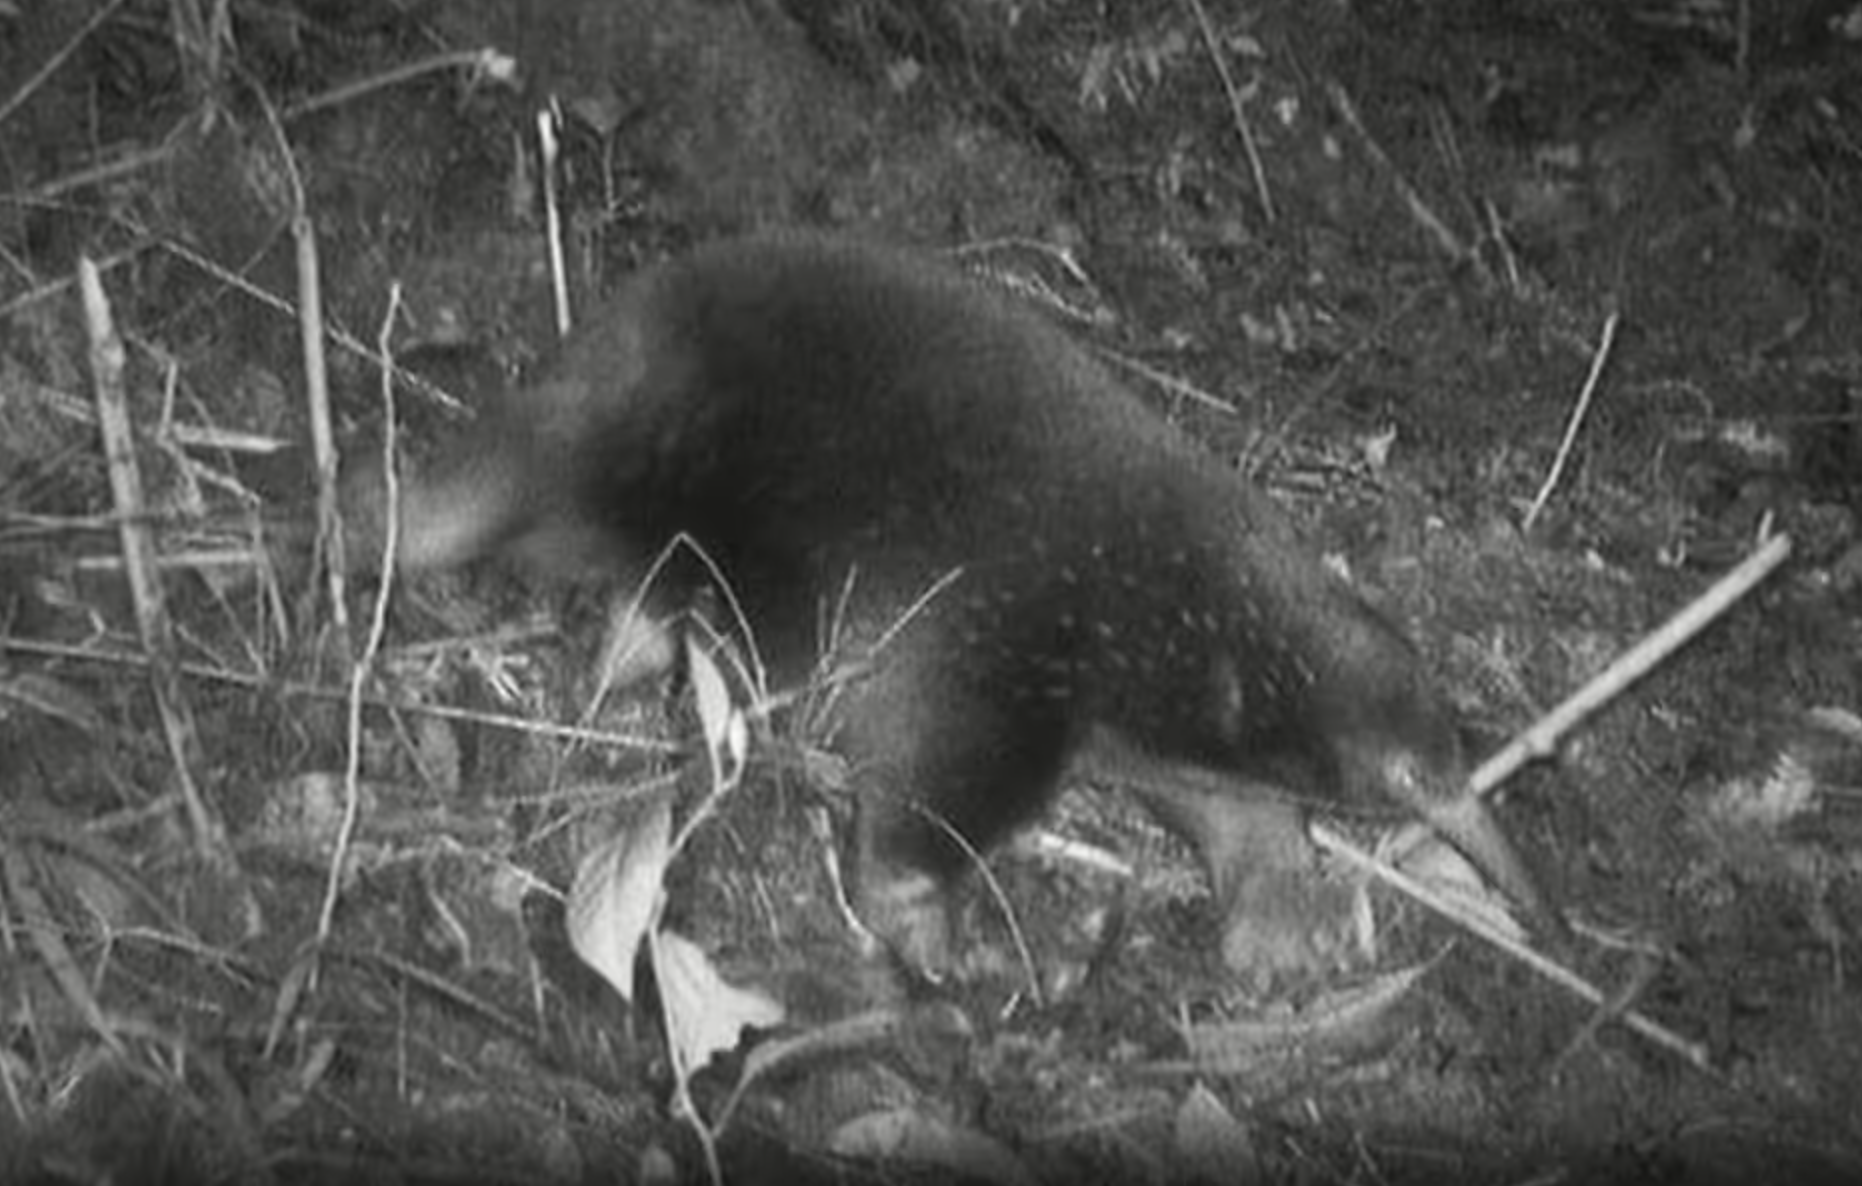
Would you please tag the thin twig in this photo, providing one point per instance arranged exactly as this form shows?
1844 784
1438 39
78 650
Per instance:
316 376
481 63
58 58
1168 382
548 120
1238 110
1541 740
1337 844
322 436
1419 210
1496 230
378 627
261 683
1642 974
27 912
1264 448
341 337
132 160
1598 359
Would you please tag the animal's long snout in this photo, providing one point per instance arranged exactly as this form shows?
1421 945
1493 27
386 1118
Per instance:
1469 824
442 520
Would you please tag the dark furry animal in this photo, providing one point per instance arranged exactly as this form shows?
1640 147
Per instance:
1036 561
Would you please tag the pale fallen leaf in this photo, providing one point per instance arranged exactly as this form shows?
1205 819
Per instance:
1834 718
909 1136
1446 873
616 893
726 735
920 1027
1213 1145
705 1014
1333 1023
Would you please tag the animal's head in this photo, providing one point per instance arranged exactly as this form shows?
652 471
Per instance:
1380 722
507 488
1393 736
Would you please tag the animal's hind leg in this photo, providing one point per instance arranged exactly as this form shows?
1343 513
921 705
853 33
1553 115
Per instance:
945 763
1281 915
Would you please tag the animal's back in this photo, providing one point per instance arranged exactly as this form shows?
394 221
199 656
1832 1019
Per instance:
817 411
823 400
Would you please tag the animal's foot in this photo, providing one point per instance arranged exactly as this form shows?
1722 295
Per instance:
1288 924
908 912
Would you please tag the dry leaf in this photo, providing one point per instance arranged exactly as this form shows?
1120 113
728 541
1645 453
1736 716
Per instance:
1335 1022
909 1136
705 1015
1213 1145
1448 875
616 895
726 735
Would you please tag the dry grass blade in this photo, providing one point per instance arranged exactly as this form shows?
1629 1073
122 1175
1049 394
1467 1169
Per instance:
153 625
1335 1021
517 724
1419 210
54 698
31 86
42 930
1238 111
1579 414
